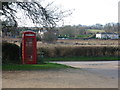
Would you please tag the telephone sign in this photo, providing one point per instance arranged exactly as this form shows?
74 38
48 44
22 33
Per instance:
29 47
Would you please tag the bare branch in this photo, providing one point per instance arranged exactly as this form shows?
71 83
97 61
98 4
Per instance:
36 12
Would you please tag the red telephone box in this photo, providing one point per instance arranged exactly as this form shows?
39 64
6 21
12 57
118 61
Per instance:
29 47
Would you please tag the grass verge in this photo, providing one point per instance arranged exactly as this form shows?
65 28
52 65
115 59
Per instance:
46 66
81 59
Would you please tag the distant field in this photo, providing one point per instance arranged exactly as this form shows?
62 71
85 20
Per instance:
86 36
80 43
95 30
90 42
70 42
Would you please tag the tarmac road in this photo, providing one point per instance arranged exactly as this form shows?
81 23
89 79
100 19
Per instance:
88 75
103 68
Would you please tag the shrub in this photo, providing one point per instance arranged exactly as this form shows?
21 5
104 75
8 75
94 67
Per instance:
38 38
10 53
40 57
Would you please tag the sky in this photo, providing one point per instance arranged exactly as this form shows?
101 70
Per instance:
89 12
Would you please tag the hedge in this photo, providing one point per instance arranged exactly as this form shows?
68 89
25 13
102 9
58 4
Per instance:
10 53
79 51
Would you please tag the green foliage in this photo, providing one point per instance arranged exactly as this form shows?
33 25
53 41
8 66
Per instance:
10 53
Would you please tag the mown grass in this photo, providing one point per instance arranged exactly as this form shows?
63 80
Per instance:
47 66
81 59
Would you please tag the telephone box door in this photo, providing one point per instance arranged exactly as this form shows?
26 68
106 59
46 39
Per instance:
29 48
30 55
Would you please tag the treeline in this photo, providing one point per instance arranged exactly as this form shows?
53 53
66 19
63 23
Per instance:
76 30
70 32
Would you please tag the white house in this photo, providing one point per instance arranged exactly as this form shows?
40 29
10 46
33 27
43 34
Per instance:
107 36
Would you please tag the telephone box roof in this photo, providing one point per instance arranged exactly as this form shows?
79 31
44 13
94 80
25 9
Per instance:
29 31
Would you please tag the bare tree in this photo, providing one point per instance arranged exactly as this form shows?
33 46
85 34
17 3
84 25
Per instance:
111 27
44 16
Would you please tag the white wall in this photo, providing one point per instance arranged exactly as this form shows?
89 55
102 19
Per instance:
98 35
110 36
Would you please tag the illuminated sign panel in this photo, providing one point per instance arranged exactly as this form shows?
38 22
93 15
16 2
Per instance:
29 35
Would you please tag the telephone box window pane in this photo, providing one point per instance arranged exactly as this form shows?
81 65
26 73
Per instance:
29 49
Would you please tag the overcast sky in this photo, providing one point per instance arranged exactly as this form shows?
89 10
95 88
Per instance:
89 12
